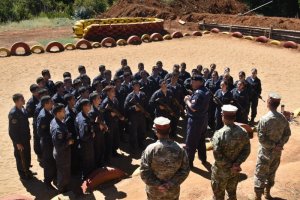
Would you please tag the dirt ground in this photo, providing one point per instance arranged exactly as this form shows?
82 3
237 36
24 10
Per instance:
278 69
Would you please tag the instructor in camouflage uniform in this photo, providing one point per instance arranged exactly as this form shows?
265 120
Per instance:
164 165
231 147
273 132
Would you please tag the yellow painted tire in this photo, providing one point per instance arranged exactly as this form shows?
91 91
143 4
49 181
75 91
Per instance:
37 47
69 46
96 45
186 34
206 32
167 37
6 51
146 38
225 33
297 112
121 42
275 42
249 37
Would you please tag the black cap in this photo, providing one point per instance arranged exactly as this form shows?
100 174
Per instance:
198 78
34 88
57 107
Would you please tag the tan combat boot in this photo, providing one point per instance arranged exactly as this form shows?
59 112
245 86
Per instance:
267 193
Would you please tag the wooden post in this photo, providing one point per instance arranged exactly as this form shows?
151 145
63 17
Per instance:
270 33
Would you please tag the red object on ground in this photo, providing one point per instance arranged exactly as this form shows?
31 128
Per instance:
101 176
15 46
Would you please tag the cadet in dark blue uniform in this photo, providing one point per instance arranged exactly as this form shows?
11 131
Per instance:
76 85
19 133
183 74
84 128
122 69
59 95
255 92
111 117
36 137
137 76
83 94
99 128
223 96
30 108
161 72
107 79
241 100
212 69
100 77
68 85
162 104
43 129
70 117
82 73
197 110
188 82
146 85
48 83
41 83
212 84
136 116
154 78
62 141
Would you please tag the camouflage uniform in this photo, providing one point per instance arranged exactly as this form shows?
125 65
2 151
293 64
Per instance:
231 145
273 130
161 162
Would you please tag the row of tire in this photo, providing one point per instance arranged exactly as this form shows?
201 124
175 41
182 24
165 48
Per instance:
85 44
261 39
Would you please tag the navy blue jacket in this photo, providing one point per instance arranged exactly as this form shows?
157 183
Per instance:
59 99
255 87
84 128
43 124
168 99
60 137
70 117
31 106
18 125
200 102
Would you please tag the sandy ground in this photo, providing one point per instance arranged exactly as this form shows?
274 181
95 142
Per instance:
278 69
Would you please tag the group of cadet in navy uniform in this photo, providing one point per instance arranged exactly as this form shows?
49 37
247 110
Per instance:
78 124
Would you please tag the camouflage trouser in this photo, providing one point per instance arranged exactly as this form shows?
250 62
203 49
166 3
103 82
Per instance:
154 194
267 164
221 180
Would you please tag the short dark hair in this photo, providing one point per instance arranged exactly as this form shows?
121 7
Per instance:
45 99
66 74
58 84
163 132
68 97
45 72
16 97
82 90
39 79
81 67
57 108
274 104
101 67
93 96
33 88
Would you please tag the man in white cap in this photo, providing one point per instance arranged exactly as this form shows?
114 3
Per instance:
164 164
231 147
273 132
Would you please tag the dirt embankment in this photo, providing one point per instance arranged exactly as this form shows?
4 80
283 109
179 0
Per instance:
212 11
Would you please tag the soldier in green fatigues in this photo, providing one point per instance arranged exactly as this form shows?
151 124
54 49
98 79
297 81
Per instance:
273 132
231 147
164 165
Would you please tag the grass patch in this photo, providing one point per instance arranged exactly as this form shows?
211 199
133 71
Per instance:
40 22
64 41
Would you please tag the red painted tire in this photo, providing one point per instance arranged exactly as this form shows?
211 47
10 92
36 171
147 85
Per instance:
262 39
81 42
69 46
108 40
215 30
177 34
50 45
156 37
15 46
197 33
237 34
290 44
134 40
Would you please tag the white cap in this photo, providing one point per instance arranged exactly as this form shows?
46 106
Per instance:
229 110
275 96
162 123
